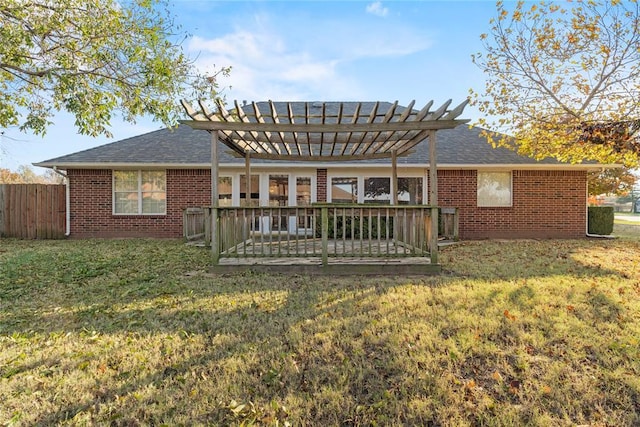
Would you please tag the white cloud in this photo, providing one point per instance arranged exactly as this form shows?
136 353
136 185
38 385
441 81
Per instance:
264 67
302 59
377 9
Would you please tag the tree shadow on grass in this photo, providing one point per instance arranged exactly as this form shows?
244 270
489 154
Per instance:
310 308
311 336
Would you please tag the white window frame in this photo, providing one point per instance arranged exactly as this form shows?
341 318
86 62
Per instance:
139 190
377 174
359 185
492 203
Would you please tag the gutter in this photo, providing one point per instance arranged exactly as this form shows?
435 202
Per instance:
311 165
67 201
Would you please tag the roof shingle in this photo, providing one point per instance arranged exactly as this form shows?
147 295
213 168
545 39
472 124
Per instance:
188 147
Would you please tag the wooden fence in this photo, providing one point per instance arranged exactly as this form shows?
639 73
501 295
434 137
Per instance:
32 211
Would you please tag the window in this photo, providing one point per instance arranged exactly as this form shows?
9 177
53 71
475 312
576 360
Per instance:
224 190
303 191
279 196
139 192
494 189
278 190
377 190
344 190
409 191
254 189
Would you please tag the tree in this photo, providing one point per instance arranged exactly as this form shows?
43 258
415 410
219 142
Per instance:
564 80
92 58
26 175
611 181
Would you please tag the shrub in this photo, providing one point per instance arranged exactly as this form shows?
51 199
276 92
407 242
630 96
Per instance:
600 220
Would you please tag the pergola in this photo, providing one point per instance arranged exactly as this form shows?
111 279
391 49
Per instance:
325 132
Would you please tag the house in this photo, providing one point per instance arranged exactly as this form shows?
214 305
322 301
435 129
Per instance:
140 186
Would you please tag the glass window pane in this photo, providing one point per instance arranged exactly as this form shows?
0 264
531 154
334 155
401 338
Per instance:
153 181
225 190
278 190
303 191
377 190
254 199
344 190
125 202
153 202
125 180
494 188
410 191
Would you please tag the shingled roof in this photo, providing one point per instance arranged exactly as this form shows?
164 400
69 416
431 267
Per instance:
184 147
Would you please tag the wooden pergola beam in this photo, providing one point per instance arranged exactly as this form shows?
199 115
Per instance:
325 128
322 158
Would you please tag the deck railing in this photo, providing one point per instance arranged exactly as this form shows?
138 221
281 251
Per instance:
324 231
193 225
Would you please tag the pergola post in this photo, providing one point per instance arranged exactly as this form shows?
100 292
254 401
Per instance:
394 178
215 244
247 181
433 196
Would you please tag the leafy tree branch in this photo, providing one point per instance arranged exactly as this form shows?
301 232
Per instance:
564 80
93 58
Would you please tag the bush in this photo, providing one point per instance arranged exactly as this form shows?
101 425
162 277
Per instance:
600 220
349 228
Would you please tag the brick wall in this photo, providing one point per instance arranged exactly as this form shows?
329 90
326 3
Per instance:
91 204
321 182
545 204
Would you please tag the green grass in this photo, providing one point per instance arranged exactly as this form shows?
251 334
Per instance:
135 332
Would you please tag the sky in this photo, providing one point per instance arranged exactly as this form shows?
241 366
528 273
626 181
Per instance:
308 51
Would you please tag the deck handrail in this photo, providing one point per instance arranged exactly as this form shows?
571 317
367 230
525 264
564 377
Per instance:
321 230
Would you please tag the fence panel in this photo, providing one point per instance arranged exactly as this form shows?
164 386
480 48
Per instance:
32 211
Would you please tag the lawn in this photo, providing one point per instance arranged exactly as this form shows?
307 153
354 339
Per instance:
135 332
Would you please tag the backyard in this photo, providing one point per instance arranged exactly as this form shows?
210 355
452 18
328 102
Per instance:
136 332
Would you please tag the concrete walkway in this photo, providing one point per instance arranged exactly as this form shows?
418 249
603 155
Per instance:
633 218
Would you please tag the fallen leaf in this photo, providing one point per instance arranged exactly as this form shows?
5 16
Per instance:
509 315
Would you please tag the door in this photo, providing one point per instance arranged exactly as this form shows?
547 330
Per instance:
302 223
278 197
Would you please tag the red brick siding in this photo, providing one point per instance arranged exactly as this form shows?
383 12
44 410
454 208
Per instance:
545 204
321 183
92 211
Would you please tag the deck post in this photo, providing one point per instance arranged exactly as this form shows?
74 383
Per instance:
207 226
456 230
324 219
215 244
433 195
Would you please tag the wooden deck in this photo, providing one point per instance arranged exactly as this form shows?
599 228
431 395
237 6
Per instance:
336 266
261 246
322 239
271 257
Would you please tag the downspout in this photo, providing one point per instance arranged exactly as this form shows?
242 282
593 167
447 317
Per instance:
67 201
